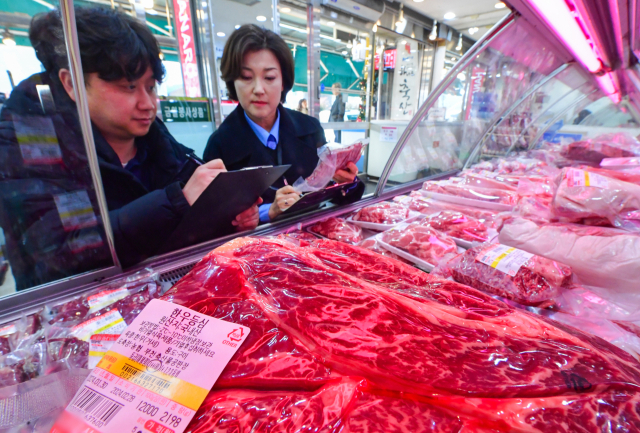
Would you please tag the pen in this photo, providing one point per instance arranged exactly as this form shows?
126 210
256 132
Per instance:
193 157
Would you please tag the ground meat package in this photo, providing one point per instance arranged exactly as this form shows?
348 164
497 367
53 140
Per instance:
333 156
382 213
509 272
338 229
345 340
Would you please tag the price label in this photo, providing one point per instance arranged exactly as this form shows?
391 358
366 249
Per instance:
156 375
503 258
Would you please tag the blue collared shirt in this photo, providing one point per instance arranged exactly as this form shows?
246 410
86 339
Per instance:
269 139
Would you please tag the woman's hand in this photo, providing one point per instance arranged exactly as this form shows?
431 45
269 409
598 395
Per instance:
285 198
201 178
346 175
249 219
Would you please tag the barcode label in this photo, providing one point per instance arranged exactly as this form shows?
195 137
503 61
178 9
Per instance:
98 409
146 380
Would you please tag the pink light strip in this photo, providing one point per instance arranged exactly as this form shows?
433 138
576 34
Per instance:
559 17
607 84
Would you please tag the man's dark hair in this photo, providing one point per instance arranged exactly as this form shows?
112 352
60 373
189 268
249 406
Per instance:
248 39
112 44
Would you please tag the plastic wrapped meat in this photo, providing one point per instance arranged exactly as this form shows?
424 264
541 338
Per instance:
483 181
426 206
458 225
332 157
421 240
484 365
511 273
382 213
483 194
618 145
631 175
583 195
601 257
373 245
338 229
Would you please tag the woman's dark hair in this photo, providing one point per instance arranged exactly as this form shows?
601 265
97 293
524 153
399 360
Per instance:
112 44
248 39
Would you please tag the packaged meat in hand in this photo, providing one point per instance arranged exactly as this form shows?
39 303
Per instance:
458 225
582 195
382 213
618 145
511 273
421 240
332 157
339 230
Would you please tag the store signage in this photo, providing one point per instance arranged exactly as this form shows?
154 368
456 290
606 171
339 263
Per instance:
178 110
390 59
477 84
187 48
406 81
389 134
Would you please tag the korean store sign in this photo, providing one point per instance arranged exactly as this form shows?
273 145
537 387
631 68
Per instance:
187 48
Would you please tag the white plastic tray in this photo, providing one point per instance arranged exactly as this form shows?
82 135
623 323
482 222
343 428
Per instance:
492 235
466 201
425 266
383 227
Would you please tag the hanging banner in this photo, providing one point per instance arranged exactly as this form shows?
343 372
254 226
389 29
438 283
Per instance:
478 75
406 81
187 48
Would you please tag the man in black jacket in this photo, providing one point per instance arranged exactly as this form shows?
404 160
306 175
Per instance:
337 109
49 208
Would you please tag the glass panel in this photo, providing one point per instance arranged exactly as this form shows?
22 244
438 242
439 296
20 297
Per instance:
51 225
477 97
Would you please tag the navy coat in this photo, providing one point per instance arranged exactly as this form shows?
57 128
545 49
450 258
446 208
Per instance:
300 137
39 248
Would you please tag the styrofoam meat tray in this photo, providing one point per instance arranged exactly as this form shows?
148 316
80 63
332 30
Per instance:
383 227
424 265
466 201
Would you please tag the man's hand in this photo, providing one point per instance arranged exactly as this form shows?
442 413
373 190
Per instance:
285 198
346 175
249 219
201 178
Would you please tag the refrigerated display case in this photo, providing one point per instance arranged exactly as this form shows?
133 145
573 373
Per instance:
526 89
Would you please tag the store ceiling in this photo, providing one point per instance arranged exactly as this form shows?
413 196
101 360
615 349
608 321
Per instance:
481 14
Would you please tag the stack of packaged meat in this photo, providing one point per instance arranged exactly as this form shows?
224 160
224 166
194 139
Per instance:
459 225
338 229
593 151
488 195
421 240
343 340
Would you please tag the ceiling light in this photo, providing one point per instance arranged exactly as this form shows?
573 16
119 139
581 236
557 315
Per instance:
473 30
285 10
500 5
449 16
148 4
459 46
344 53
434 31
418 1
161 55
331 23
221 34
7 39
204 4
237 26
261 18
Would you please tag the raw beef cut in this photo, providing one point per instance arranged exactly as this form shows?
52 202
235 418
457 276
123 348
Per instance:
485 372
582 195
458 225
602 257
525 278
372 244
421 240
338 229
619 145
419 203
481 181
484 194
382 213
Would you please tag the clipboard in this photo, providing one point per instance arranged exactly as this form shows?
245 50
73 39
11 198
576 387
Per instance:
228 195
314 200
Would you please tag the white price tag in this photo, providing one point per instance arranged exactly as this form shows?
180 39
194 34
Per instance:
99 345
577 177
503 258
37 138
156 376
103 299
388 133
108 323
